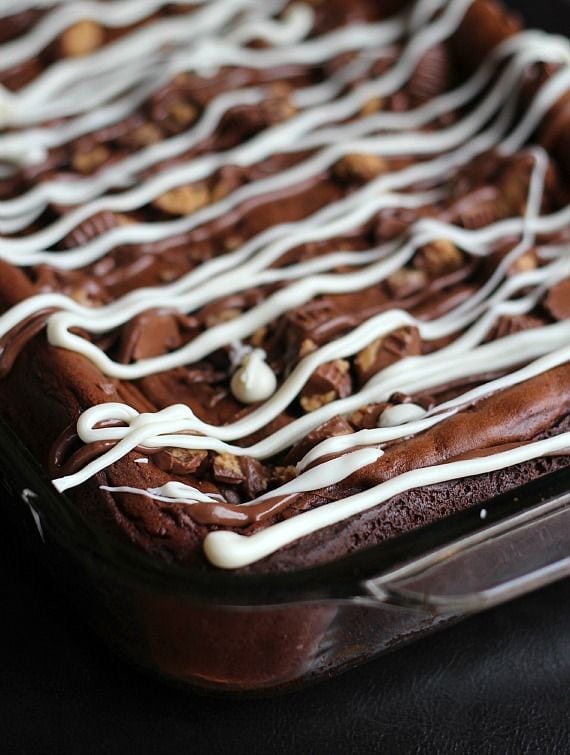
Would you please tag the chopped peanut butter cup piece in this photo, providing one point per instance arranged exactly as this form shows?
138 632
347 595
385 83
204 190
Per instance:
182 200
385 351
359 168
81 39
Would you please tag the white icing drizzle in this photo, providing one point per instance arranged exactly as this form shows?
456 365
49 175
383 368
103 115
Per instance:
60 324
171 492
229 550
400 414
72 86
111 15
327 473
114 80
289 133
28 250
162 429
201 41
19 145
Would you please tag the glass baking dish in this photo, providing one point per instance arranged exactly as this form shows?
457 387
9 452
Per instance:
230 633
254 634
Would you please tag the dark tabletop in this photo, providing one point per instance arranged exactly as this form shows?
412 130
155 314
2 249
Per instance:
497 683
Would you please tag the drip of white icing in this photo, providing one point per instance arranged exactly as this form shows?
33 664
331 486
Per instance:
400 414
254 380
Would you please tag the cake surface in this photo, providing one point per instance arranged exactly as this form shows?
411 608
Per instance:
280 281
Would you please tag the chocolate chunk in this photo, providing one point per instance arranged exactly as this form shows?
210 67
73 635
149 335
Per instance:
366 418
227 469
149 334
509 324
181 461
241 470
438 258
87 161
248 120
21 74
256 476
513 190
281 475
317 320
405 282
557 302
91 228
328 382
228 179
432 74
331 428
391 223
143 136
385 351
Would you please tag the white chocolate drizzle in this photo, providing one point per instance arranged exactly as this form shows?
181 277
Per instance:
400 414
93 92
230 550
254 380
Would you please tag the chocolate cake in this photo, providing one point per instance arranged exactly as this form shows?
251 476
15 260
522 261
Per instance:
281 280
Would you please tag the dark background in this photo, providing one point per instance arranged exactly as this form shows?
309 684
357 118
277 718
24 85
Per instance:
497 683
